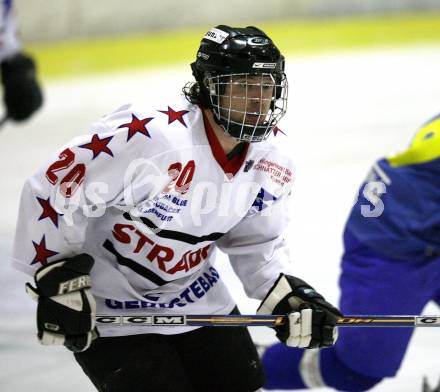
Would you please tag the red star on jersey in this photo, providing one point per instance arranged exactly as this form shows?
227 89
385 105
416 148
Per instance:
98 145
173 115
48 211
136 126
42 252
276 130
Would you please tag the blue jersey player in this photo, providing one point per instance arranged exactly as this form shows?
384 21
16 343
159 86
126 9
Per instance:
390 265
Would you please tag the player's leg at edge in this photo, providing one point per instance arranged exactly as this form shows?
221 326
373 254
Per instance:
289 369
356 362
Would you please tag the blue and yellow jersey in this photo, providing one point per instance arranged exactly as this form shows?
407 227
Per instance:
397 213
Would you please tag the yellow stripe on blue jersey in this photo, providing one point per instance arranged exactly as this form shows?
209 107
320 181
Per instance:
425 146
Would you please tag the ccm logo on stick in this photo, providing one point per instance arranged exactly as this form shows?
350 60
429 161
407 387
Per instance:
169 320
124 320
427 321
144 320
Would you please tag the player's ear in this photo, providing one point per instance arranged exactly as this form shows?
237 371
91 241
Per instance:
206 79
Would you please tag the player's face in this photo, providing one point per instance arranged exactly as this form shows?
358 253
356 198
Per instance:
247 98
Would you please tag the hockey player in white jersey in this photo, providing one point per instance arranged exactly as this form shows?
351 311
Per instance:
22 94
127 220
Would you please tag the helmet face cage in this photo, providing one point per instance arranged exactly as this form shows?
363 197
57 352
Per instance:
248 105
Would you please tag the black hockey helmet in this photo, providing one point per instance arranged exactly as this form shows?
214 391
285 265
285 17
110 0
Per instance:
228 54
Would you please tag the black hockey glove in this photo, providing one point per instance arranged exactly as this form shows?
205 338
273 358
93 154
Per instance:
22 93
66 308
311 319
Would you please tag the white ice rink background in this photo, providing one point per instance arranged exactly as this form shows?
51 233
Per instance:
345 111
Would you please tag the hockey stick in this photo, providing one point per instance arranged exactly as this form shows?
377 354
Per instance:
261 320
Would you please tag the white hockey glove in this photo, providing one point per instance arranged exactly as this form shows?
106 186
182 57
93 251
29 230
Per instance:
311 319
66 308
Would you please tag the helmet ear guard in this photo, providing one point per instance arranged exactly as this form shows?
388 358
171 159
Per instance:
226 53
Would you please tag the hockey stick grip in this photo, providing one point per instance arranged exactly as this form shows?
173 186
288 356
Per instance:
261 320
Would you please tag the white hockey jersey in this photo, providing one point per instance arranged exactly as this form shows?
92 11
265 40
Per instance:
150 194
